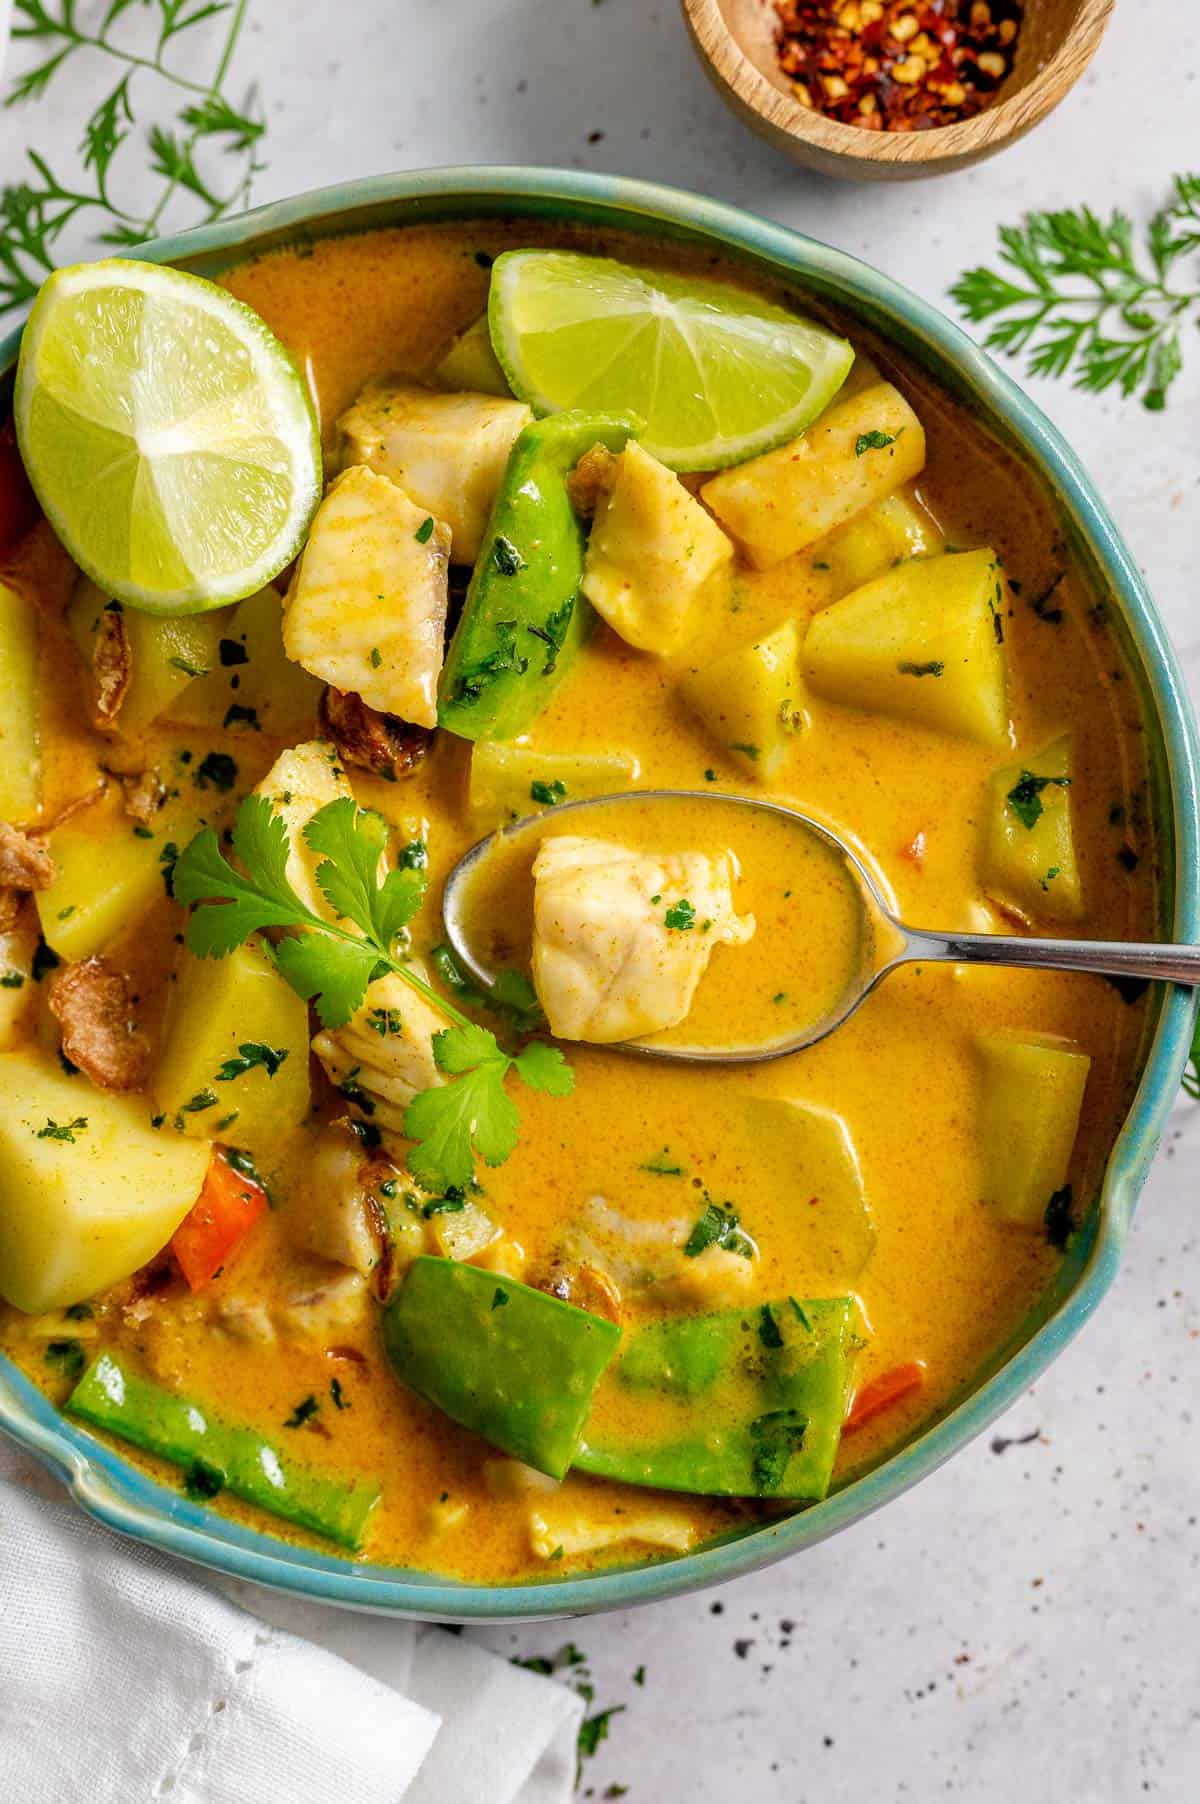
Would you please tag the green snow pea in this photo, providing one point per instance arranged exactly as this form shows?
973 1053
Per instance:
516 1366
748 1402
220 1456
524 619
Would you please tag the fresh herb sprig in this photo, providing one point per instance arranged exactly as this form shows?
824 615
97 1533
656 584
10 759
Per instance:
1086 301
35 212
326 961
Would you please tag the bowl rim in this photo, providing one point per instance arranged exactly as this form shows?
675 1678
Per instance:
986 132
117 1493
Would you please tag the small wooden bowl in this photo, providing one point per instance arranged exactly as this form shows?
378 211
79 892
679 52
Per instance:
735 40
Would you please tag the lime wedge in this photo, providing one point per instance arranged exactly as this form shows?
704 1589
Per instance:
717 374
167 433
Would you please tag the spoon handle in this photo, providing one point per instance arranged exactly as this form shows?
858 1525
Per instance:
1108 958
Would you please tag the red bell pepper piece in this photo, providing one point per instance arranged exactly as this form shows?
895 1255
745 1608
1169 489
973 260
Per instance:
218 1222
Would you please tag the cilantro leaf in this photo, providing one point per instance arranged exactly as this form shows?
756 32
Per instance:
544 1068
335 972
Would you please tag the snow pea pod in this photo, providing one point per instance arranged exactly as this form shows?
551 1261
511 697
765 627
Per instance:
218 1455
524 619
516 1366
742 1403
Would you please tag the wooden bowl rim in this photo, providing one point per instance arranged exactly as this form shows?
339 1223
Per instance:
988 129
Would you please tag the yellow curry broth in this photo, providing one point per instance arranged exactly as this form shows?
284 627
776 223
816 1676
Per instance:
947 1282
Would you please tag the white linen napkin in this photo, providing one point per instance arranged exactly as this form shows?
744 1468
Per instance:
125 1679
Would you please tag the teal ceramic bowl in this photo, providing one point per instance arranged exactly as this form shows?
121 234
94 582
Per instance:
118 1494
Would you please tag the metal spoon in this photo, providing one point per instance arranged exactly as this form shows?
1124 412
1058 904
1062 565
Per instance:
888 942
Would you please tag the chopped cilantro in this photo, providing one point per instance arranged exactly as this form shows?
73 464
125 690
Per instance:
376 657
933 668
218 770
553 634
236 713
338 1394
717 1226
385 1021
12 980
594 1729
190 670
203 1099
768 1328
304 1411
661 1165
67 1356
681 916
1025 797
748 751
1058 1217
424 531
203 1482
505 556
548 794
65 1131
873 441
249 1054
776 1437
499 1298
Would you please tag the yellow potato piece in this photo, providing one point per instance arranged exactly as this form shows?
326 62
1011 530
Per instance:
20 757
896 528
108 873
252 672
858 451
656 561
1028 1119
503 777
218 1006
920 643
167 653
86 1205
750 700
1029 848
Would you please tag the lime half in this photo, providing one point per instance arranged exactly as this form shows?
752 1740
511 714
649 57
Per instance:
167 433
717 374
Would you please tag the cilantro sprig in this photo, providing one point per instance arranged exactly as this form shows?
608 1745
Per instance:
331 964
1085 300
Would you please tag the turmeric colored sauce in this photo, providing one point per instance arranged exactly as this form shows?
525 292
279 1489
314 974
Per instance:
945 1282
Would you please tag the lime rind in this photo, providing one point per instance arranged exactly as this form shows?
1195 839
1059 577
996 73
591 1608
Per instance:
191 425
721 375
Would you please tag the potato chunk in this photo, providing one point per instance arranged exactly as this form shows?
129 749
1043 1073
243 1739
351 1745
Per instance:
510 780
299 783
1029 849
252 679
622 938
447 451
366 610
749 699
138 664
891 531
20 757
921 643
110 870
858 451
1029 1116
383 1055
655 559
471 364
89 1191
235 1044
809 1155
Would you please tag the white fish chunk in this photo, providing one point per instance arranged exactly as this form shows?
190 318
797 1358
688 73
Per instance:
366 610
608 964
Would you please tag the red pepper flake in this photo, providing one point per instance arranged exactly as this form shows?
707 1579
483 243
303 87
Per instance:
897 65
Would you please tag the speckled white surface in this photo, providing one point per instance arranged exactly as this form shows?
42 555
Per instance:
1025 1627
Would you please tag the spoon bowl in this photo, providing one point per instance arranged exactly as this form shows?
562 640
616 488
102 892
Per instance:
883 940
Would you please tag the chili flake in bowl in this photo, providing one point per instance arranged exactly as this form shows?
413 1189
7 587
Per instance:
897 65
